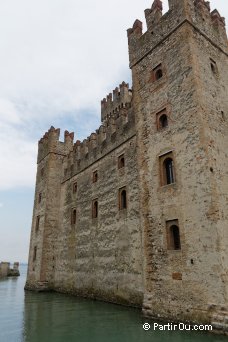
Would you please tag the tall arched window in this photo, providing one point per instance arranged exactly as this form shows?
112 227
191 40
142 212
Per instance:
173 235
122 199
169 171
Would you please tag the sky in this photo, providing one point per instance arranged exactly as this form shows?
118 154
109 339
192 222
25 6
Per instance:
58 59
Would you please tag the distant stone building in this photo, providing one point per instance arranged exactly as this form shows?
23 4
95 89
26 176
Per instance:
138 212
6 271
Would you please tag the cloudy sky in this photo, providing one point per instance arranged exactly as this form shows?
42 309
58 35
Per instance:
58 59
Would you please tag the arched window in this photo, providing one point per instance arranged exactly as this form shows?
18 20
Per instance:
175 237
95 209
123 199
74 216
168 171
163 121
121 161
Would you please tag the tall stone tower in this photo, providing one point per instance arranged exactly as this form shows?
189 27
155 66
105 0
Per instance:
45 223
180 97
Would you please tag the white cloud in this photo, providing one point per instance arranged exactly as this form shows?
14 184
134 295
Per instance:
58 58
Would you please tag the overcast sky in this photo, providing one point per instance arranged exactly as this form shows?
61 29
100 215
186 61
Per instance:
58 59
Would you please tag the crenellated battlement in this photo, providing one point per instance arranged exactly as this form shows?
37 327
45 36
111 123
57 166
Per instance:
115 129
120 98
159 25
50 143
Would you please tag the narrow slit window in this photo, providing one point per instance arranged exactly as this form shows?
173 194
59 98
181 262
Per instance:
37 223
75 187
121 161
122 199
173 235
95 209
39 197
73 217
34 253
95 176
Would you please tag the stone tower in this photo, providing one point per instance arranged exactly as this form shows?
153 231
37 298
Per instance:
51 153
180 98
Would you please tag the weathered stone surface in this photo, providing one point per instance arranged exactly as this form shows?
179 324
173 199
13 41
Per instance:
180 68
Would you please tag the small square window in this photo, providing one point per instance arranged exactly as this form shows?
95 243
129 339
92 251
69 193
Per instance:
95 176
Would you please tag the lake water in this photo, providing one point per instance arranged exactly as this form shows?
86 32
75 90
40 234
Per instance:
51 317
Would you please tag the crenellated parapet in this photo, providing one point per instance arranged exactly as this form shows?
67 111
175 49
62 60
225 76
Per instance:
160 26
120 98
50 143
115 129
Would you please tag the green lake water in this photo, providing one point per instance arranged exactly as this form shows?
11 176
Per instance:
51 317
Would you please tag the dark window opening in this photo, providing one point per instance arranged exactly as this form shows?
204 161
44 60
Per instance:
169 171
175 238
158 74
40 197
95 209
34 253
37 223
123 199
163 121
74 216
95 176
75 187
214 67
121 162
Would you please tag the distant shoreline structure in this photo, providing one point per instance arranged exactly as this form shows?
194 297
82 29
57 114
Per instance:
6 271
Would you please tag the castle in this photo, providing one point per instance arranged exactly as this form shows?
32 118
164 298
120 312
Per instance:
137 213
